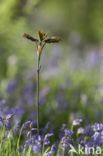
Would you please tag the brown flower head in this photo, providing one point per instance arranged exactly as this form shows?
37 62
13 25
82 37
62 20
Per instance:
52 39
29 37
42 35
42 41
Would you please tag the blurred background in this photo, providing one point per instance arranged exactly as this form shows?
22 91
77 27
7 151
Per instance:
72 71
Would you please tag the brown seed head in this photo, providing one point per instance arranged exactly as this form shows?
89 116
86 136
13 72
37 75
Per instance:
29 37
52 39
42 35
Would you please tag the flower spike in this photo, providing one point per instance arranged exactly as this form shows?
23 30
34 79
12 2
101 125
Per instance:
29 37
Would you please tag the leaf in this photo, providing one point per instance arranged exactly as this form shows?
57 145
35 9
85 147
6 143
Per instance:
29 37
46 151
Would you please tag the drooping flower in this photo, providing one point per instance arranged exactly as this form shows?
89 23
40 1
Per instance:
77 122
68 132
97 127
98 138
54 148
47 138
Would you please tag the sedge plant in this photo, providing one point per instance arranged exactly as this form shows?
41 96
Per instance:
40 43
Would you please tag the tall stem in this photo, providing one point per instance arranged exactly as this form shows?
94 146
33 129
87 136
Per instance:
38 83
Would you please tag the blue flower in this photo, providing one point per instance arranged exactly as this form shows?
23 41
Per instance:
54 148
47 138
98 138
11 86
49 154
65 142
7 121
77 122
88 131
97 127
68 132
37 148
80 130
46 141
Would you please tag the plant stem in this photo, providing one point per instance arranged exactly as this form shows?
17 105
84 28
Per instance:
38 73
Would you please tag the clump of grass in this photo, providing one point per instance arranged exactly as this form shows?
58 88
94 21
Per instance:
40 42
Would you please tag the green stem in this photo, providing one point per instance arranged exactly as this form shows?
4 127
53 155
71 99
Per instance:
38 83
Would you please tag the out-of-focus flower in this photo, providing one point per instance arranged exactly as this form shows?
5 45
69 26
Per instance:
27 125
37 148
61 132
80 130
11 86
98 138
54 148
65 142
7 121
68 132
1 121
77 122
88 131
47 138
97 127
66 139
49 154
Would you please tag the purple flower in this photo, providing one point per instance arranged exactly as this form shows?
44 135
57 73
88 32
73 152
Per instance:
47 138
7 121
29 99
97 127
9 116
37 148
27 125
87 146
31 141
46 141
77 122
65 142
80 130
23 149
18 110
49 154
28 88
47 128
11 86
49 134
16 127
54 148
88 131
61 133
68 132
98 138
1 119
